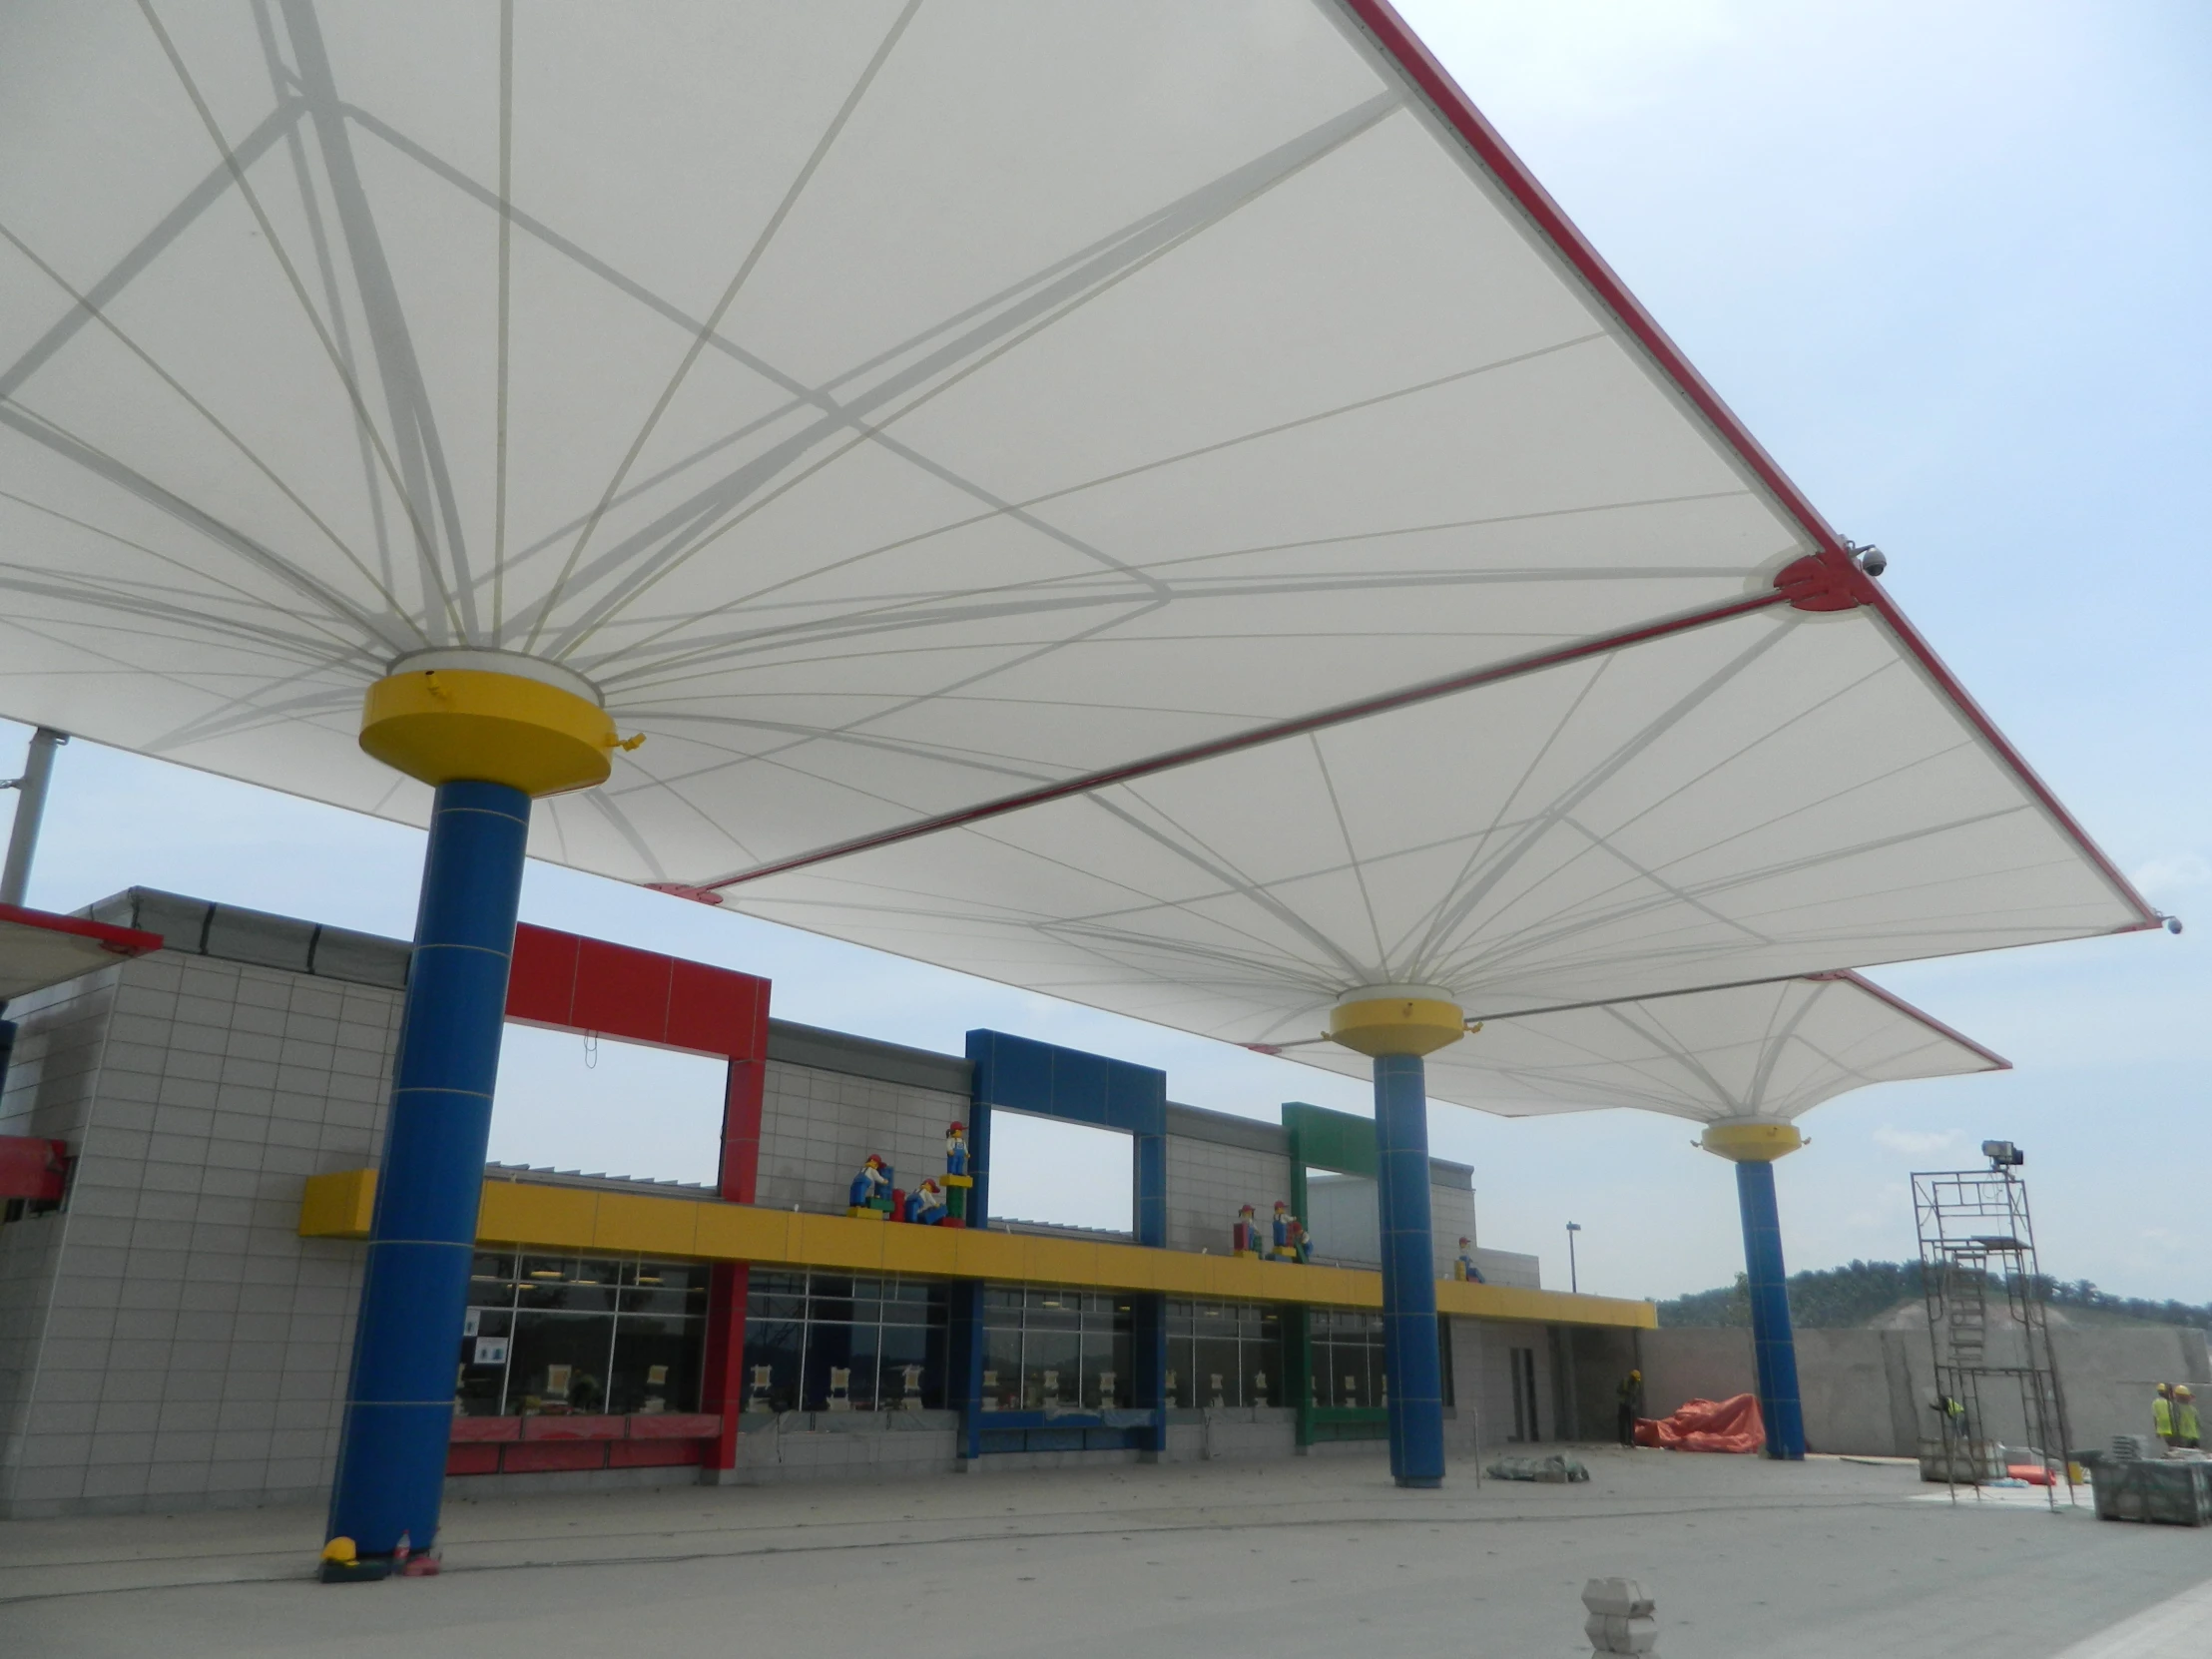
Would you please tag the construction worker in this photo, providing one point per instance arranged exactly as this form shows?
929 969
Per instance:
1632 1405
2162 1413
2185 1418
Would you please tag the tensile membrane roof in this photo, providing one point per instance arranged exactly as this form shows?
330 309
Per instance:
1150 503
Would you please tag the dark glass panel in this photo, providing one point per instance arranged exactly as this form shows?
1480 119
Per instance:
1182 1371
559 1359
774 1347
656 1364
1001 1369
1051 1368
1220 1371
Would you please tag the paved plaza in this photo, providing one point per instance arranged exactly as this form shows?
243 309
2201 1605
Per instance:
1322 1556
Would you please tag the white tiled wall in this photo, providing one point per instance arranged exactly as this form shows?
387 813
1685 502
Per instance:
191 1346
1481 1360
818 1128
1205 1184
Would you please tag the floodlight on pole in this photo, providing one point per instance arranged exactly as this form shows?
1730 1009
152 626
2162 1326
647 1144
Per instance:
1574 1279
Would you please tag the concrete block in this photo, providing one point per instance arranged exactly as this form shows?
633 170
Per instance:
1609 1633
1618 1597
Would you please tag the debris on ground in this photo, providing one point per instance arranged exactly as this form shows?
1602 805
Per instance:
1558 1469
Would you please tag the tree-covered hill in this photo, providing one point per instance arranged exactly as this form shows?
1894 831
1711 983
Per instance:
1859 1294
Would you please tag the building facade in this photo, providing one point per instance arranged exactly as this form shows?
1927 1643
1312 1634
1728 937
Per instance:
176 1332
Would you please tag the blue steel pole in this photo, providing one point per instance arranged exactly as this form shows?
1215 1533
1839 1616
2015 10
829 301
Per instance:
415 1288
1409 1352
1774 1346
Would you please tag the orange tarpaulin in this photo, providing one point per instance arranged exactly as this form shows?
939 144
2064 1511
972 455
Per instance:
1707 1426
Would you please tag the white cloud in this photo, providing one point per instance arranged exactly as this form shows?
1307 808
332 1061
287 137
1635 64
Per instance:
1917 1141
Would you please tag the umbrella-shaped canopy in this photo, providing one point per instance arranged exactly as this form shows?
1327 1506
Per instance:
1148 502
1770 1051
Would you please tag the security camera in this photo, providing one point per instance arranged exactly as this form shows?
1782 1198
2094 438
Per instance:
2002 1154
1873 560
2173 924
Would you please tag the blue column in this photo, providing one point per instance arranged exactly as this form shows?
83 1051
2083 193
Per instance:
1773 1346
1149 1199
963 1366
415 1288
980 1163
1148 1310
1408 1270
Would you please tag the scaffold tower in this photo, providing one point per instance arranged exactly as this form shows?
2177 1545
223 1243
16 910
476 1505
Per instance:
1987 1322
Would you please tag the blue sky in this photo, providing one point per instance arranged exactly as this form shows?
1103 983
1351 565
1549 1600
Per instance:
1948 263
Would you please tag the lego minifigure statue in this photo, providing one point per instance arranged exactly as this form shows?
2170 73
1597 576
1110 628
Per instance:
925 1205
1245 1236
1290 1237
958 1181
872 1190
1464 1268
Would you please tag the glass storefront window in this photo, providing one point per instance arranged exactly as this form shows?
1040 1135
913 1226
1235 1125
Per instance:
839 1343
1225 1354
566 1333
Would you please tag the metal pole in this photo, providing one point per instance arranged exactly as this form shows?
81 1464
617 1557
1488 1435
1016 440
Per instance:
1574 1278
30 807
1411 1356
414 1291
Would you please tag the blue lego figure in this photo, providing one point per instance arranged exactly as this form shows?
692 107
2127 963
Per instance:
955 1148
925 1205
872 1188
1464 1268
1290 1237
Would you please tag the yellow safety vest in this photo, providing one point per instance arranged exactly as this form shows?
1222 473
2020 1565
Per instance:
2185 1420
2162 1416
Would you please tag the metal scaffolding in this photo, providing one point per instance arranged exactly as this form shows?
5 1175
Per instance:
1987 1324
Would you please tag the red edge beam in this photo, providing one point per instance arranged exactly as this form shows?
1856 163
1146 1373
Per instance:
1445 96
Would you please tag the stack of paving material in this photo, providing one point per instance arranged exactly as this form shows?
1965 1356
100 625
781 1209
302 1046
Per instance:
2132 1487
1620 1618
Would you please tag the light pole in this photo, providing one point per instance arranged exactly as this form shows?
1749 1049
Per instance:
1574 1282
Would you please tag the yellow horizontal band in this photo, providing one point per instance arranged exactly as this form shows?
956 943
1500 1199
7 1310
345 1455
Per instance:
650 1224
444 723
1751 1143
1396 1026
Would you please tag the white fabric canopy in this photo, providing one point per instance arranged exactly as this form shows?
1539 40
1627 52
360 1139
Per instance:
1176 444
1773 1051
